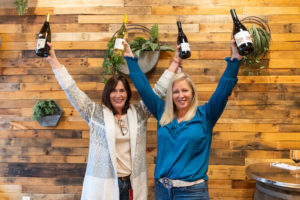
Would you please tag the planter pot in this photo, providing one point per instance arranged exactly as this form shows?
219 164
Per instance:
51 120
146 61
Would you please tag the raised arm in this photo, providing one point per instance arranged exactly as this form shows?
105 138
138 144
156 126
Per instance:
81 102
150 98
218 100
160 88
175 64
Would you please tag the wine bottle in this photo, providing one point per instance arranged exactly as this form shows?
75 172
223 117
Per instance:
184 51
241 36
42 49
121 36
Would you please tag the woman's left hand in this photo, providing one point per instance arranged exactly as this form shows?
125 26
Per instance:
176 62
127 52
177 58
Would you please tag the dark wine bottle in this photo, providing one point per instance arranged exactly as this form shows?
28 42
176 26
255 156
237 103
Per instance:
42 49
184 51
241 36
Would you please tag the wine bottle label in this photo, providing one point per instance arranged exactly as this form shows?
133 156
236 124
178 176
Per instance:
41 43
118 44
185 46
242 37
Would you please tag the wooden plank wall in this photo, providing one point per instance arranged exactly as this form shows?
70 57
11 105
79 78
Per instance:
261 121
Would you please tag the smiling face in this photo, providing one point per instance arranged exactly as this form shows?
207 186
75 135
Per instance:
182 95
118 97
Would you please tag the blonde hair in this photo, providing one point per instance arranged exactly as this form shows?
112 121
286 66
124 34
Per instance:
170 108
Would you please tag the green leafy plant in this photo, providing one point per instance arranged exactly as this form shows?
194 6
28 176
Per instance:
140 44
253 62
44 108
21 6
111 63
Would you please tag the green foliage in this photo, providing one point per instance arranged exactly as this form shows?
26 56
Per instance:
21 6
140 44
112 62
44 108
154 33
261 40
137 44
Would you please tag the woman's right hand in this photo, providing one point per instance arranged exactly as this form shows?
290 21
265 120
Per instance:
235 52
127 52
52 59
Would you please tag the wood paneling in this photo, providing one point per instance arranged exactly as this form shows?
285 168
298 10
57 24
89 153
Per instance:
260 123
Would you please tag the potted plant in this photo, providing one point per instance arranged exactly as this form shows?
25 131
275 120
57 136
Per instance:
148 52
261 34
139 44
47 112
21 6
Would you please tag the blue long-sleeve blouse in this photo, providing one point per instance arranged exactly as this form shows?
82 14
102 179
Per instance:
183 148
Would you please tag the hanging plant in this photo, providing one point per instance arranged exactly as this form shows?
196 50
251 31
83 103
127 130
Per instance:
139 44
21 6
112 63
252 63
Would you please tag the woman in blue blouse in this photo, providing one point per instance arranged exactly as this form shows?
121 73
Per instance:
184 129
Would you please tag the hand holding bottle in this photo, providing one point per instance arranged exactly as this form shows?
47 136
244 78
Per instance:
176 62
127 52
177 57
235 52
52 59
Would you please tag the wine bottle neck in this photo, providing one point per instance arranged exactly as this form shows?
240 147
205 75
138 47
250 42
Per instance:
125 20
233 15
47 17
179 26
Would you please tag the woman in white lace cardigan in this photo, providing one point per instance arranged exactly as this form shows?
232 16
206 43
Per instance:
113 159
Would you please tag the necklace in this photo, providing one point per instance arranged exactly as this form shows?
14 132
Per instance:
121 123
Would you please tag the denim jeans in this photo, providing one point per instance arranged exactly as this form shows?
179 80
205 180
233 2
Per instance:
194 192
124 187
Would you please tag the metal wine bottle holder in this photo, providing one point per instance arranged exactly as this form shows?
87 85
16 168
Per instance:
147 59
253 64
257 20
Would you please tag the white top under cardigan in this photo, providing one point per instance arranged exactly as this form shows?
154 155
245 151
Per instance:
101 181
123 149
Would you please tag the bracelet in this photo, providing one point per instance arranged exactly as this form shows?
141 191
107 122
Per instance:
175 61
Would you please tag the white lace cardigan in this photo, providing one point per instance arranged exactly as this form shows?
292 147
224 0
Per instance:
101 181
